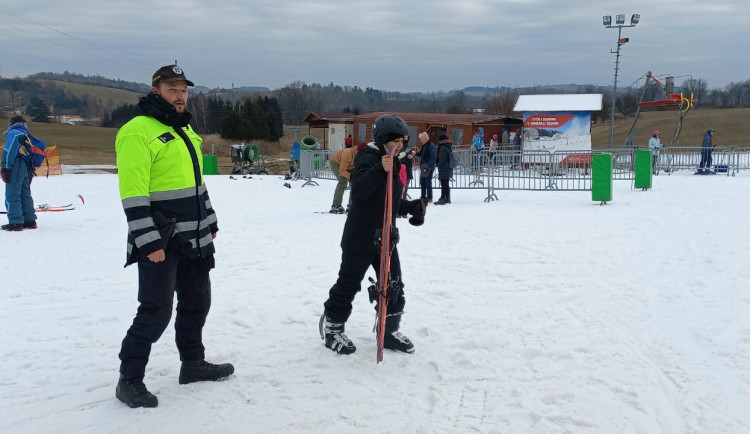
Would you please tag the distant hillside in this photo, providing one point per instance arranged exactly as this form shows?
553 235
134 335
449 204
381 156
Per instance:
480 91
96 80
732 128
105 96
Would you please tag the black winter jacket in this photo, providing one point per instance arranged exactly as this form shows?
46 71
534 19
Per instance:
368 201
443 160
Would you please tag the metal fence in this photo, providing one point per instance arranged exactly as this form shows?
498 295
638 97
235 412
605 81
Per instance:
724 160
506 169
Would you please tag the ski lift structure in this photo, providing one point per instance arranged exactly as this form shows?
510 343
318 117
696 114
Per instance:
671 99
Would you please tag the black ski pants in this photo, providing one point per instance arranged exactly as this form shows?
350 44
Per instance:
157 284
338 307
445 189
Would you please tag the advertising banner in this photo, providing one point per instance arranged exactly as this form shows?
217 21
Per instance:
557 131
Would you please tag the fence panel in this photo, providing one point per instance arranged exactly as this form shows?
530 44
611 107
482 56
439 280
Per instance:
507 169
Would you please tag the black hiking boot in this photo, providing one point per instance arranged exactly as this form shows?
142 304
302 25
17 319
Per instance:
30 225
393 339
134 393
333 334
200 370
12 227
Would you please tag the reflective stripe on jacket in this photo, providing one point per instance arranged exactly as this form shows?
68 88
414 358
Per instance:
156 173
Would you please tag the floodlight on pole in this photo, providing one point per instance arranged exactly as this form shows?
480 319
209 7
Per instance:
619 24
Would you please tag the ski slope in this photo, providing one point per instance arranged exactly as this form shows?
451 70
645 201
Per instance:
542 312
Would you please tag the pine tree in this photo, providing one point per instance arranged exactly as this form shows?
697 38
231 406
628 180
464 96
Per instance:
40 111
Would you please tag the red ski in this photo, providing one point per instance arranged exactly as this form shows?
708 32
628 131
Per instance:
384 277
50 208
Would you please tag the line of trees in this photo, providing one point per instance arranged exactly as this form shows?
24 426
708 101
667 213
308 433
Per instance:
252 119
297 99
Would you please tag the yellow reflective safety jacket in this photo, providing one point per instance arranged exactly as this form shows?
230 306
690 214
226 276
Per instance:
160 170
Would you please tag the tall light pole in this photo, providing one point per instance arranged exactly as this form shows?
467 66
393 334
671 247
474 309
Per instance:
619 23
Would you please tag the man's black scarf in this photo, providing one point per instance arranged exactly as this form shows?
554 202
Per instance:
158 108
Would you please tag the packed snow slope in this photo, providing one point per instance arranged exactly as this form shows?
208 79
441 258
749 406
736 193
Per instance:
541 312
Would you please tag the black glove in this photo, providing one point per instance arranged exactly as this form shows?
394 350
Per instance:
417 208
5 173
202 263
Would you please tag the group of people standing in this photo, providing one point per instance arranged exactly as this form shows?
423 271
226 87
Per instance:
172 225
433 157
707 146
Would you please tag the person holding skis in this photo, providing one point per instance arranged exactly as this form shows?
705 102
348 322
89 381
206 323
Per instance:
360 240
17 173
171 227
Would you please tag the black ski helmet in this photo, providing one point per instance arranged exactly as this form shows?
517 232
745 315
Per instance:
387 128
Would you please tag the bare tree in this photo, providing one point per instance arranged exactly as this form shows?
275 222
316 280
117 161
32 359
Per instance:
627 102
502 101
294 100
456 102
695 87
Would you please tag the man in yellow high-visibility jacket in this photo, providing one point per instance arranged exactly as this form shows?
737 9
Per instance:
171 227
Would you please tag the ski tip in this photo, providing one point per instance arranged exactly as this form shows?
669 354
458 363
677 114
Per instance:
83 202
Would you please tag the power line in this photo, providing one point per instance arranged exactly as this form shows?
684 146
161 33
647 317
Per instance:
111 50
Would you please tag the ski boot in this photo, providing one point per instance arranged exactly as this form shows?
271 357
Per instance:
393 339
333 334
200 370
134 393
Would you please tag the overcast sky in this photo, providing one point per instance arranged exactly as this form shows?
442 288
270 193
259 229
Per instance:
403 45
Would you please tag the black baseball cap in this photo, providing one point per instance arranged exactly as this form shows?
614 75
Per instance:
170 74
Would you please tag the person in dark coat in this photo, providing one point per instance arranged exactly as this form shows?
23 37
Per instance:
706 149
359 245
445 172
427 165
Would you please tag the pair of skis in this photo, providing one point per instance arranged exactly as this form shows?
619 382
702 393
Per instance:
45 207
384 276
50 208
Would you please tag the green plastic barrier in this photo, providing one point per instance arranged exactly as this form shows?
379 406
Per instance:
210 165
643 169
317 162
601 177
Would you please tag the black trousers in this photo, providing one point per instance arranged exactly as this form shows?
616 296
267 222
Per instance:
705 158
445 189
157 284
338 307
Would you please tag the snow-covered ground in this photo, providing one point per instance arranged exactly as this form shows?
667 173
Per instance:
542 312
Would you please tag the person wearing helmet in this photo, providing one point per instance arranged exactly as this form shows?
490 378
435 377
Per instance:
359 245
655 145
494 147
706 150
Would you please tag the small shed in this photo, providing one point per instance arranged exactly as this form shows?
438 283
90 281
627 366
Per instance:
459 127
336 126
557 122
